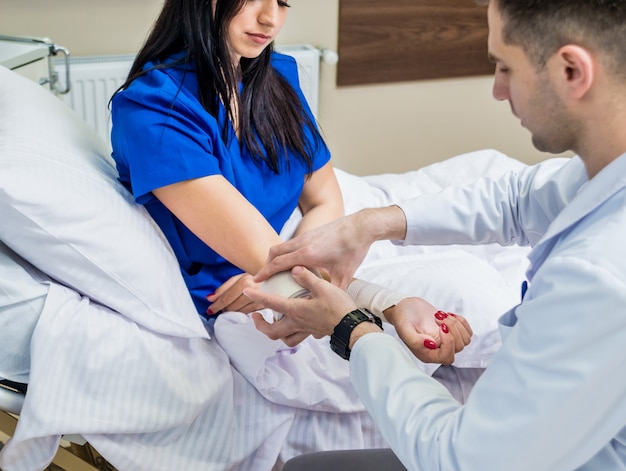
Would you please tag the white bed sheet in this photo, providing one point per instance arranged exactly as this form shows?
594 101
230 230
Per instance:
478 282
136 372
154 392
151 401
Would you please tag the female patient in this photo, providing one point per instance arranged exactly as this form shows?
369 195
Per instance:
212 134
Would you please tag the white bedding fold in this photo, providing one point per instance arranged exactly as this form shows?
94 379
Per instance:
95 372
309 376
150 401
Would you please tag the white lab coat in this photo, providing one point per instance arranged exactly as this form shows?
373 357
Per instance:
553 396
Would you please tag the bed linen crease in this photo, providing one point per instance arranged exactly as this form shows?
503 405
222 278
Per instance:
120 356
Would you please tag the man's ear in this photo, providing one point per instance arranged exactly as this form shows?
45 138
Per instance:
576 66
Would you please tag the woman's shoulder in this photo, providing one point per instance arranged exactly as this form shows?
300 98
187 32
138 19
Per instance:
280 58
165 79
285 64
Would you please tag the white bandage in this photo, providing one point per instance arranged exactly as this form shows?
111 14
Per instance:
283 285
374 297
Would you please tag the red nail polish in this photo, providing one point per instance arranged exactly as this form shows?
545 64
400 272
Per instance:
452 314
430 344
209 295
445 328
209 312
440 315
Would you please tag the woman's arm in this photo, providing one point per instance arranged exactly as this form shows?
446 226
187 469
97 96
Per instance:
321 200
222 218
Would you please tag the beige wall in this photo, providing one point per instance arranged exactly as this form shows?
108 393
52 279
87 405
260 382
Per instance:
370 129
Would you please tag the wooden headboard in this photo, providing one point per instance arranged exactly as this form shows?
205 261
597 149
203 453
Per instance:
406 40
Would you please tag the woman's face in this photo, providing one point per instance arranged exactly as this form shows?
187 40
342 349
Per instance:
255 27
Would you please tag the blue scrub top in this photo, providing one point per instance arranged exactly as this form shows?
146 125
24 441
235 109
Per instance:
162 135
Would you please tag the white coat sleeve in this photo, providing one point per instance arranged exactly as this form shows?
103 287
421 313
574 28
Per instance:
513 209
551 398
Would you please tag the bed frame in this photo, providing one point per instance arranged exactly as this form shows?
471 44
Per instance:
74 454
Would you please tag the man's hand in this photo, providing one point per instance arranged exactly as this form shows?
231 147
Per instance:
333 249
317 315
337 248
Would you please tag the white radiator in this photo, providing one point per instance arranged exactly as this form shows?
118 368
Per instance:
93 82
95 79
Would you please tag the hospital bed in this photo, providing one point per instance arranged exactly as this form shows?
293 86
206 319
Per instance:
75 455
119 356
12 396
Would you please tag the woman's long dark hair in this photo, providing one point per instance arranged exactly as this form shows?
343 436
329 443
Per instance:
271 116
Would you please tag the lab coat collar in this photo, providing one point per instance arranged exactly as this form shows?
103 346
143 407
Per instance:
590 196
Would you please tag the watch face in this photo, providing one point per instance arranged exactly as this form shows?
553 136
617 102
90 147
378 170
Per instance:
358 313
370 316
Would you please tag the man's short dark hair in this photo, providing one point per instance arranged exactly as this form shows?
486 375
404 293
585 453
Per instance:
542 27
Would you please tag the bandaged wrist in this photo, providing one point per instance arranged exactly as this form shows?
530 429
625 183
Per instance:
374 297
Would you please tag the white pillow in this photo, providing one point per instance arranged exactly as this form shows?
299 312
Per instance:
454 281
64 211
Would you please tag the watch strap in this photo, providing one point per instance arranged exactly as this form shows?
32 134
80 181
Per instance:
340 338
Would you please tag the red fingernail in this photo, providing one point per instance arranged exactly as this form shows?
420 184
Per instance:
430 344
445 328
209 295
209 312
452 314
440 315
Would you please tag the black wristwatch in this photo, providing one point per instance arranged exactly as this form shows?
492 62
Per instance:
340 339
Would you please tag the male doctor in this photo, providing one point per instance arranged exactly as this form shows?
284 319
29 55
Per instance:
554 396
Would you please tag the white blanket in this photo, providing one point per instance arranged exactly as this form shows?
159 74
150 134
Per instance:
149 401
479 282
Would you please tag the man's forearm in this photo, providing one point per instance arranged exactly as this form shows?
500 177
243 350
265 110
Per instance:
388 223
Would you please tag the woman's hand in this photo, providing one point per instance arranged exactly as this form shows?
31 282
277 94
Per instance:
230 297
433 336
